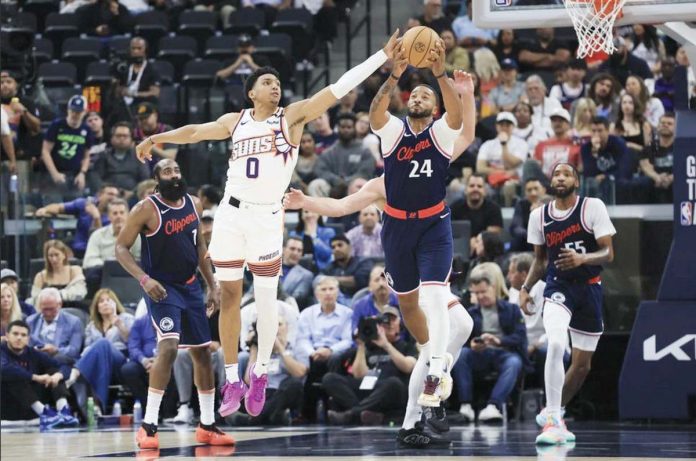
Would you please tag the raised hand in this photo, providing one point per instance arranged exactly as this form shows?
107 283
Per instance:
437 58
294 200
142 150
393 45
400 62
463 82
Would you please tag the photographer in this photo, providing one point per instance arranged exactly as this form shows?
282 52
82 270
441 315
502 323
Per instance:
380 372
139 81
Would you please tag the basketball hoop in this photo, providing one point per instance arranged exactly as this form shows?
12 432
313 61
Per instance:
593 21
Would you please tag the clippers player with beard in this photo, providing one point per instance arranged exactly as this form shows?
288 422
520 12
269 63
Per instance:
248 227
572 238
417 231
172 250
413 432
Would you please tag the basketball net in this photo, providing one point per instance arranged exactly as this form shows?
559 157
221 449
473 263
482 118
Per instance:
593 21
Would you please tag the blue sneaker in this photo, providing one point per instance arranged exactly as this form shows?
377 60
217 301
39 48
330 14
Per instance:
49 418
67 419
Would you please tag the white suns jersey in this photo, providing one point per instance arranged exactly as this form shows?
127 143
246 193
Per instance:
261 158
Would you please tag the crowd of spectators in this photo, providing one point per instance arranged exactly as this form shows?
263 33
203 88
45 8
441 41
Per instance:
609 116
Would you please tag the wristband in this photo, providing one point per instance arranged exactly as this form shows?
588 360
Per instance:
525 288
503 143
149 138
394 77
437 77
143 280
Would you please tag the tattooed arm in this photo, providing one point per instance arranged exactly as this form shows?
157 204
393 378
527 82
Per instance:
379 115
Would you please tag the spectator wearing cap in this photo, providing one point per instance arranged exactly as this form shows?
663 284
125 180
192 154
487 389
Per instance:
10 277
64 153
245 63
573 86
544 52
90 212
351 272
501 158
456 57
535 94
22 116
139 82
560 148
525 129
509 90
148 124
119 165
622 64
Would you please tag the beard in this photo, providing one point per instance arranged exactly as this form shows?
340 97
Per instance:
564 193
172 189
421 114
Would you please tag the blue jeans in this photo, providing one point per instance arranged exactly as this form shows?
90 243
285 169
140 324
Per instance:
507 364
99 362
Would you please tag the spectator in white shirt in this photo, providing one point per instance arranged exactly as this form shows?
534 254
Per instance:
535 91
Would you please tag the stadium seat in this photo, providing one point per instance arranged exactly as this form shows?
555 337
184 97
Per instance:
41 9
461 236
168 105
222 47
246 20
79 313
198 24
81 51
98 73
278 49
165 69
298 24
21 20
61 26
119 47
200 72
152 26
336 226
43 50
234 98
127 288
58 73
177 50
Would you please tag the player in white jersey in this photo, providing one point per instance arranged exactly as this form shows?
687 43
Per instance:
248 228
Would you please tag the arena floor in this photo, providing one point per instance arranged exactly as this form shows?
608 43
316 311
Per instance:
606 441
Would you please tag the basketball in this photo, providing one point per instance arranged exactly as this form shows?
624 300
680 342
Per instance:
417 43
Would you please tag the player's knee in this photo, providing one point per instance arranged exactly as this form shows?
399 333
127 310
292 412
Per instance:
167 350
201 356
556 346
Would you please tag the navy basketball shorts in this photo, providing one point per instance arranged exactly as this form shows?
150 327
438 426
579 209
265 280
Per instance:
181 315
417 251
583 302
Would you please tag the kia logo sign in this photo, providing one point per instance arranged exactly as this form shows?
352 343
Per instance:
651 354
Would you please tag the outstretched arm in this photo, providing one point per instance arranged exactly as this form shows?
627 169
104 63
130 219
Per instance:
211 131
379 114
450 97
464 85
301 112
371 192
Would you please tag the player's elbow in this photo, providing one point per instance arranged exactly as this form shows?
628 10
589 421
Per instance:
610 254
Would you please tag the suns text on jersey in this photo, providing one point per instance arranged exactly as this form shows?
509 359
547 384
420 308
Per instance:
253 146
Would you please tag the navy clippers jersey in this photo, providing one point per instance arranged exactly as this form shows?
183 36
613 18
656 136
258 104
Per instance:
169 254
572 233
415 170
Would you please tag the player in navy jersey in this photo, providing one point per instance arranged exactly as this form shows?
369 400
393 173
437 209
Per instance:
572 238
172 251
417 233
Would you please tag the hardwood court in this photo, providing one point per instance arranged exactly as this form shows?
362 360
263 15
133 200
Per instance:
605 441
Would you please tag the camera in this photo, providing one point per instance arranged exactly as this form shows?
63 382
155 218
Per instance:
367 327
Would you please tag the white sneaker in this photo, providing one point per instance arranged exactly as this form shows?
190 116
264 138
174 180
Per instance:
554 433
467 412
183 416
490 414
446 380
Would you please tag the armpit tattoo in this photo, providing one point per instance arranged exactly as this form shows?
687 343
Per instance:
297 122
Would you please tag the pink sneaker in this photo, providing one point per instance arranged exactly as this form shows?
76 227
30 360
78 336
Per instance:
256 397
232 394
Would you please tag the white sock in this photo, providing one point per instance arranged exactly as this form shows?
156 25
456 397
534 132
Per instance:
434 302
556 321
154 399
415 387
38 407
206 400
61 403
232 372
266 322
461 325
74 374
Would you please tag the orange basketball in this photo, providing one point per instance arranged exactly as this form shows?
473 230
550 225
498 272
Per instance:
417 43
